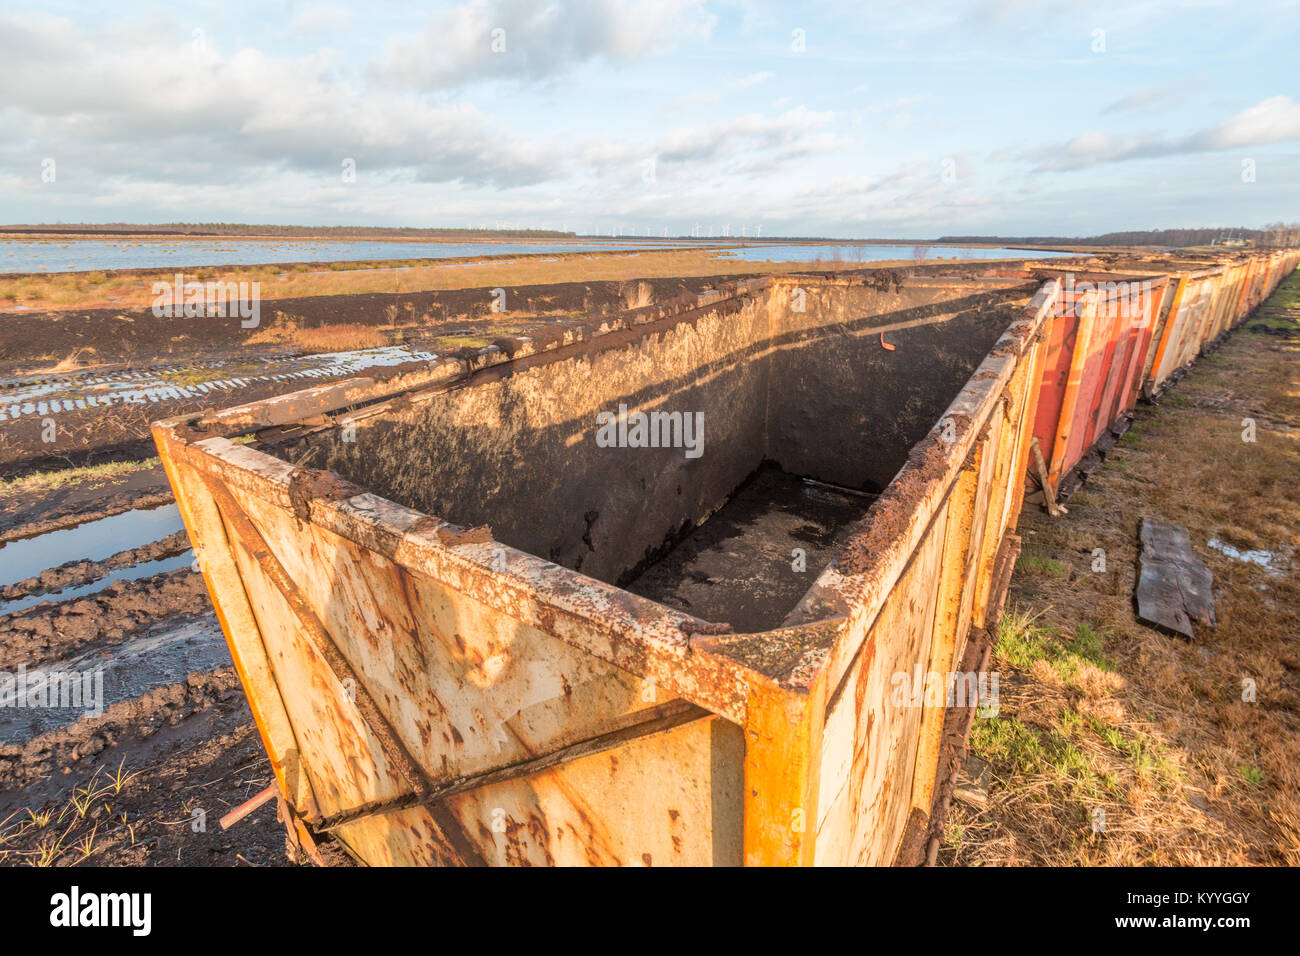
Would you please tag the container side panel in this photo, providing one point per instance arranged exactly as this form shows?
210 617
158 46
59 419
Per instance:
467 690
873 724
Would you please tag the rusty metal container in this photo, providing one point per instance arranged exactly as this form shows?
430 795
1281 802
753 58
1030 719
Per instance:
471 633
1127 332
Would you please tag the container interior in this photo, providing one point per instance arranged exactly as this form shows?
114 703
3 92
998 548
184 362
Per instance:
771 421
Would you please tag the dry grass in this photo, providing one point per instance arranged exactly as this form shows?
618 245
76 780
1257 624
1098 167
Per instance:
43 481
87 290
325 338
1098 712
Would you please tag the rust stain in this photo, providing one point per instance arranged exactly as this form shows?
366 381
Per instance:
454 537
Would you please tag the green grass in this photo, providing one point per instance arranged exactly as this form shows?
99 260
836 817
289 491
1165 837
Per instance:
1063 750
1022 643
1147 758
1019 748
1037 563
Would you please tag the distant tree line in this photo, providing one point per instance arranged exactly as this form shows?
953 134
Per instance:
1271 235
238 229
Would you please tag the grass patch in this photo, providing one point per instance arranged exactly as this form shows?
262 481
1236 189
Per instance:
1254 776
1016 747
67 835
50 480
1040 564
1022 643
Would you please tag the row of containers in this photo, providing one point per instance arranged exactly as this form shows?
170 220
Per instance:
1122 334
501 608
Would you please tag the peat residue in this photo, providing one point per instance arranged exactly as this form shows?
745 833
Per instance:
752 561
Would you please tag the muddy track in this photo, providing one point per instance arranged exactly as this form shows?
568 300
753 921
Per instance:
79 573
139 719
189 753
170 722
108 617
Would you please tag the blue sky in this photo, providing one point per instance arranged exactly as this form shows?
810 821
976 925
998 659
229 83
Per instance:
842 119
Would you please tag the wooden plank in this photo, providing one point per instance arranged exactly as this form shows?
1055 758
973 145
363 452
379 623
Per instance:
1174 588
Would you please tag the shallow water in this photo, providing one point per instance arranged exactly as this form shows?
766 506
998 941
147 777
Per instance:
1265 559
145 569
84 255
854 254
92 541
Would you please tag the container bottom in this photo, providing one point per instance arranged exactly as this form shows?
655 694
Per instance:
753 559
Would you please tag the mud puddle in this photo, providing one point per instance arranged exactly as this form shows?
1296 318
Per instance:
145 569
752 561
36 700
91 541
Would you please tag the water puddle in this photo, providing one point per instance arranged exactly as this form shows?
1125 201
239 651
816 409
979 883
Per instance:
59 693
92 541
1265 559
145 569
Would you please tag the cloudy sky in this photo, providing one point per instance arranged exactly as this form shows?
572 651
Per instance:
837 118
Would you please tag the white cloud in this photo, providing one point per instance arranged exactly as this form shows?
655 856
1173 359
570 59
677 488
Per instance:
1274 120
752 80
138 104
487 39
